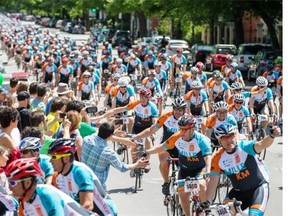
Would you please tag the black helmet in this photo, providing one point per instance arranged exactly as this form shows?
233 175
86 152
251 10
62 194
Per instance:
179 102
62 146
186 121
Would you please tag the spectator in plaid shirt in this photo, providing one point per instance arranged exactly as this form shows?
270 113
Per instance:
97 155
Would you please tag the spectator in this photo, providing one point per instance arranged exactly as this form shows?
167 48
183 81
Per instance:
3 96
23 109
38 102
53 118
33 90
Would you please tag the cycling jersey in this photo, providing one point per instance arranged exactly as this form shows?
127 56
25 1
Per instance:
133 64
261 99
64 73
191 153
49 70
7 203
45 165
84 62
219 90
233 77
86 89
121 70
225 69
230 100
149 61
212 121
243 167
203 77
108 90
178 60
189 80
96 76
122 99
196 102
169 124
240 115
81 178
279 83
165 66
143 114
161 75
48 200
75 65
154 84
273 76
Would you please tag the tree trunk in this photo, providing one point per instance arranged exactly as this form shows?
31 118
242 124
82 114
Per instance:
211 27
143 23
239 32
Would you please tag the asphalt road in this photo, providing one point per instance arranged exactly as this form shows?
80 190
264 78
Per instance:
149 201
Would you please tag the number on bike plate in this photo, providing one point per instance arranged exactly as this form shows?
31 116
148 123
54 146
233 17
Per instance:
106 71
192 186
177 80
200 120
263 118
222 210
140 141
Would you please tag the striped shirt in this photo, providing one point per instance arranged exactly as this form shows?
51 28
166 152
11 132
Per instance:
98 156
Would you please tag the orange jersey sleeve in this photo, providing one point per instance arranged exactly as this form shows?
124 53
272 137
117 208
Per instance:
223 69
58 69
54 178
186 75
212 84
115 91
188 95
144 81
80 86
228 73
231 107
161 120
173 58
170 143
279 81
209 81
254 89
211 121
229 101
107 89
215 161
132 104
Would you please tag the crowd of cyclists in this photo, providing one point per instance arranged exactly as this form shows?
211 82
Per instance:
54 162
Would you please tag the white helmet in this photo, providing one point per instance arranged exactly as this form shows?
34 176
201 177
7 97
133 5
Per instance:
194 70
234 65
119 60
220 105
123 81
236 85
261 81
196 84
239 97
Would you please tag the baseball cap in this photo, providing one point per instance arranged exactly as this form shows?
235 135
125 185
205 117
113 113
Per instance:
21 96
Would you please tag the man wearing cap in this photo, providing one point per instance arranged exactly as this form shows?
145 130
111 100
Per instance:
23 98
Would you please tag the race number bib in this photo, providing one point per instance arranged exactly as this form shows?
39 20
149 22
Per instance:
262 118
222 210
200 120
192 187
106 71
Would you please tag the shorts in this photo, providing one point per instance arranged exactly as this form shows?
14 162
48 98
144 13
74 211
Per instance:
256 200
137 129
258 109
27 60
183 174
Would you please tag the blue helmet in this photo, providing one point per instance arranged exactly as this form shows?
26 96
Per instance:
224 130
30 143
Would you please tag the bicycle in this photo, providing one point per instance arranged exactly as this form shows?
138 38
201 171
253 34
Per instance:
244 135
223 188
178 81
139 171
191 185
172 201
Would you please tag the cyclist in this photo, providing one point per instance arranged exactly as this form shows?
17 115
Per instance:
189 77
240 112
77 180
86 89
221 116
84 61
109 89
227 66
49 69
272 76
133 63
234 75
38 199
65 72
179 61
258 103
280 96
170 126
146 114
247 172
196 98
76 72
219 89
119 67
201 74
194 153
161 75
149 60
30 147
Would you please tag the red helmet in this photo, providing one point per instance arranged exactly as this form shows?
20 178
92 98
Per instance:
23 168
62 146
65 60
200 65
151 72
145 92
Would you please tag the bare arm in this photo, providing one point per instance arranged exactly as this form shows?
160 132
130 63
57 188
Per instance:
147 132
86 199
208 160
211 188
267 141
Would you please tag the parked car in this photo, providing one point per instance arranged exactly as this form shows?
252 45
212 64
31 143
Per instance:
199 52
147 40
63 24
121 35
52 22
247 50
156 40
68 27
258 64
58 24
174 44
217 57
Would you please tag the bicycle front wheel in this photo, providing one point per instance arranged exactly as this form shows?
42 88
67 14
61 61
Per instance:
223 188
171 205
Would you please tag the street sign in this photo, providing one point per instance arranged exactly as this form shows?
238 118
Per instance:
92 12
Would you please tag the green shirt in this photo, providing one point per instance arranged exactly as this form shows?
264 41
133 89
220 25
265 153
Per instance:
86 129
47 142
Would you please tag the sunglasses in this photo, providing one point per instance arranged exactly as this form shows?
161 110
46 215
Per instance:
222 112
237 102
115 80
13 183
57 157
26 151
230 136
179 109
184 129
238 90
86 77
123 86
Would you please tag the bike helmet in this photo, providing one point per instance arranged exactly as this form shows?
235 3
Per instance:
145 92
151 72
239 98
224 130
215 73
91 68
30 143
229 57
149 52
62 146
180 50
220 105
86 73
123 82
179 102
236 85
234 65
116 75
200 65
158 64
196 84
23 168
77 52
65 60
219 76
261 81
194 70
119 60
186 121
85 53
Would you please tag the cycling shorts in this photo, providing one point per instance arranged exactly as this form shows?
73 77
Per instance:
256 200
259 108
137 129
183 174
38 66
27 60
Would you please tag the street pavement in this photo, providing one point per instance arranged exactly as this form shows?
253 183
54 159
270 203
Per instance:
149 200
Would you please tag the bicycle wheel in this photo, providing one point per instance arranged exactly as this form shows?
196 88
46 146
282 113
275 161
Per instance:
179 210
170 205
223 188
138 178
